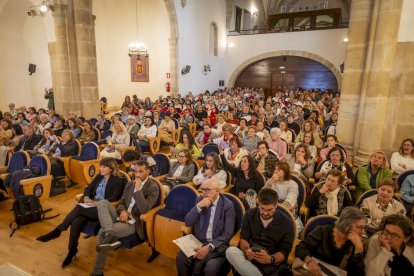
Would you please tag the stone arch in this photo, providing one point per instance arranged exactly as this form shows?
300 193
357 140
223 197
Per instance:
297 53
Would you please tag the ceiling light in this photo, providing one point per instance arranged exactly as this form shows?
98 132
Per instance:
281 67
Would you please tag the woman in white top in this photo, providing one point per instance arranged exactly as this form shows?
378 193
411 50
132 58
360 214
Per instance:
120 138
287 190
212 169
44 123
221 121
147 130
235 152
284 133
403 160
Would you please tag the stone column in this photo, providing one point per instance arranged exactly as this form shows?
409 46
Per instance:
355 63
86 57
174 66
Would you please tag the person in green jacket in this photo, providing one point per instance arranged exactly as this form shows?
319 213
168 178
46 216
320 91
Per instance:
370 175
49 96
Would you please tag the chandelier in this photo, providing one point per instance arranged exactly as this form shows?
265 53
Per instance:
137 48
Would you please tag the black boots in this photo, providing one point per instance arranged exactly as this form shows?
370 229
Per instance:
68 260
55 233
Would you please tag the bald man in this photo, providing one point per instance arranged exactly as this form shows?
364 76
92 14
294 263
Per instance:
213 220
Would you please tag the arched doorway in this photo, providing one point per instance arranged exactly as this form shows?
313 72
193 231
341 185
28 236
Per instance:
260 69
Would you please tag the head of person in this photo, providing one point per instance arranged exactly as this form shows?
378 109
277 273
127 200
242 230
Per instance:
282 126
331 140
307 126
21 117
398 230
275 134
251 132
71 123
334 180
379 160
12 106
267 199
248 164
263 148
119 127
282 169
302 150
142 170
44 118
185 157
260 126
32 110
308 139
334 118
101 118
212 162
149 121
242 123
221 118
290 118
48 132
227 130
67 135
210 189
386 190
127 99
108 166
87 126
407 148
351 220
28 130
235 144
6 124
207 128
336 156
187 138
131 157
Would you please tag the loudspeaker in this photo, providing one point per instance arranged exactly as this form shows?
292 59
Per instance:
32 68
221 82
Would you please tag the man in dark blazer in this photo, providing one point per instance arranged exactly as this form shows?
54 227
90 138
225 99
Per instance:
139 196
213 220
29 140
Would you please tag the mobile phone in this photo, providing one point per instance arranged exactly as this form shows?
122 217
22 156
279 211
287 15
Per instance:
256 249
325 270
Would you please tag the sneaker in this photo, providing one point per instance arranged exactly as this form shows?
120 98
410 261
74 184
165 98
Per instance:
109 243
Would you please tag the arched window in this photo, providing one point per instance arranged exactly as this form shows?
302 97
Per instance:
213 46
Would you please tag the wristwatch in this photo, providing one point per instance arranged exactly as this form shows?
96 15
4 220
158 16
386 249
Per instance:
272 260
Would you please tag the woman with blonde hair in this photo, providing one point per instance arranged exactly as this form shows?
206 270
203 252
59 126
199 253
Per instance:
120 138
309 127
371 174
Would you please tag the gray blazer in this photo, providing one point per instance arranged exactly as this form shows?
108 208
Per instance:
186 175
146 199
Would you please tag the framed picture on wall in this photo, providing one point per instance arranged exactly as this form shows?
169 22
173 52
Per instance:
139 68
238 18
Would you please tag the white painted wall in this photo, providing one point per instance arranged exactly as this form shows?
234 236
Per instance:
115 28
194 28
327 44
406 33
23 41
255 20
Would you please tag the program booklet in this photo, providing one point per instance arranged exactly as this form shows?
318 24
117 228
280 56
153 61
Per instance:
188 244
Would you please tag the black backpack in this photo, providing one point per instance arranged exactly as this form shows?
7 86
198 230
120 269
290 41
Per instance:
27 209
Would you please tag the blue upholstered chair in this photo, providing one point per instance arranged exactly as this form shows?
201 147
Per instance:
315 221
84 167
210 147
16 162
163 165
106 133
93 121
403 176
164 225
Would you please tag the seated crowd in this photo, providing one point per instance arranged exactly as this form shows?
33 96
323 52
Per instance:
271 154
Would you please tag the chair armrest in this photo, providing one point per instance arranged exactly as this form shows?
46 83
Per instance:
226 189
3 169
291 257
186 230
25 182
38 186
122 150
305 212
3 176
161 178
235 239
150 213
78 197
89 162
66 165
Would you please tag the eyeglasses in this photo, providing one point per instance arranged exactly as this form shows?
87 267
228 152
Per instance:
393 236
407 145
181 155
361 227
207 190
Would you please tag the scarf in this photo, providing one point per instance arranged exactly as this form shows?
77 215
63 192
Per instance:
206 137
332 204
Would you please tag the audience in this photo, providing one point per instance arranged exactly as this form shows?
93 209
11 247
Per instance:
212 169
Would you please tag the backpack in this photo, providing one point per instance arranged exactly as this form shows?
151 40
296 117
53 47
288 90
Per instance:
13 181
27 209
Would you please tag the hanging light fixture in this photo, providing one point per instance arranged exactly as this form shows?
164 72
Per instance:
137 48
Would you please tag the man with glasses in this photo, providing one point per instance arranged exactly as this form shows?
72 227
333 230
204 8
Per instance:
139 196
266 239
213 221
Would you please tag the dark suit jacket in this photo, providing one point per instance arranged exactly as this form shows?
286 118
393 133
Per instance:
145 200
28 143
223 224
113 189
68 149
187 174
